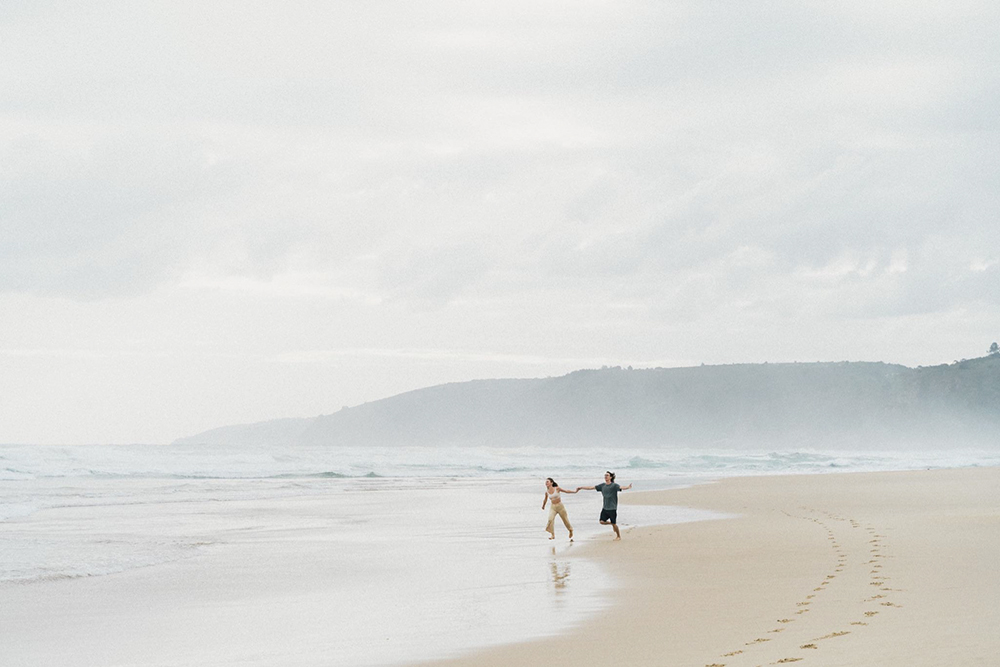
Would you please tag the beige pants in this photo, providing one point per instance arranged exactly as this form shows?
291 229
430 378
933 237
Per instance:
560 509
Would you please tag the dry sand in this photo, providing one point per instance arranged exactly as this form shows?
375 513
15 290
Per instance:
873 569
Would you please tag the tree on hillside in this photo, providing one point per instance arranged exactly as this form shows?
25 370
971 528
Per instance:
994 349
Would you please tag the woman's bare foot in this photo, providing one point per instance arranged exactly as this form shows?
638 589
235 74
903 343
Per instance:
571 536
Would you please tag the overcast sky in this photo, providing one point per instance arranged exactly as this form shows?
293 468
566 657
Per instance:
223 212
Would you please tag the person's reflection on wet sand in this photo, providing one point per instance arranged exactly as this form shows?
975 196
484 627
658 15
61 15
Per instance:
560 573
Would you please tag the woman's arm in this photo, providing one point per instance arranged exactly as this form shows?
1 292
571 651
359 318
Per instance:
546 499
584 488
565 490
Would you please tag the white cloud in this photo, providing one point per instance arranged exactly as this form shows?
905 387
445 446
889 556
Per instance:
552 182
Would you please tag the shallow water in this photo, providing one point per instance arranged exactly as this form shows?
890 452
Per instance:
374 557
374 571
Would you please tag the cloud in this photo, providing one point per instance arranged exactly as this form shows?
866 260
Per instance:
118 216
562 180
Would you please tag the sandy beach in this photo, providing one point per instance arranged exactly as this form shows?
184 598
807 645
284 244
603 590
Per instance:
866 568
857 569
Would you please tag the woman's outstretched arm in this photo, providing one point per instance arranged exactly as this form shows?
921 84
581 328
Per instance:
566 490
584 488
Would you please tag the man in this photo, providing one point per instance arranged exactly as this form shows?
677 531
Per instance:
609 515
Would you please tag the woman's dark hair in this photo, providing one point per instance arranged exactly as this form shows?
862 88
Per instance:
612 475
552 480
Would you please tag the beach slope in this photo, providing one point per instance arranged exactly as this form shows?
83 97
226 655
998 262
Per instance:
857 569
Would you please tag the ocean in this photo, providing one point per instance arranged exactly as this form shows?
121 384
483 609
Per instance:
361 556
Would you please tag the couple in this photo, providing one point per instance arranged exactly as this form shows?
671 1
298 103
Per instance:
609 515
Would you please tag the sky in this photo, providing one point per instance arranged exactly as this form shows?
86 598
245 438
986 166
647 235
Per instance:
225 212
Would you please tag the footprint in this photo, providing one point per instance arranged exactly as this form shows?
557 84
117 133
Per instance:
788 660
786 620
809 646
802 604
715 664
858 623
801 611
891 604
732 653
833 634
759 640
870 613
777 630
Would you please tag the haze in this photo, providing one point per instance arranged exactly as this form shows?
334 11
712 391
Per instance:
216 213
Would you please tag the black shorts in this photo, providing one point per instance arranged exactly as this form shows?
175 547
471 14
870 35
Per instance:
609 515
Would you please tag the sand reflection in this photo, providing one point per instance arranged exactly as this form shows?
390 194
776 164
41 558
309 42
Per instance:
560 573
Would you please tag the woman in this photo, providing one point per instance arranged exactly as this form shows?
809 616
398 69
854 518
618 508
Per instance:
552 491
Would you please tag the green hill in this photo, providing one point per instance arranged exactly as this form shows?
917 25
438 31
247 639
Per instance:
833 405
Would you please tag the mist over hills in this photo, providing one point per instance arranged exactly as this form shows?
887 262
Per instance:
849 405
272 432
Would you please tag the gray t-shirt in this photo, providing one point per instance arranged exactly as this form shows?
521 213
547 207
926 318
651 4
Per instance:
610 492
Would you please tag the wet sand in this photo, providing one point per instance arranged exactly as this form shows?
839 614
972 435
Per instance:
858 569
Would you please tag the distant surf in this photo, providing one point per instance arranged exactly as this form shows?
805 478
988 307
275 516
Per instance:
25 462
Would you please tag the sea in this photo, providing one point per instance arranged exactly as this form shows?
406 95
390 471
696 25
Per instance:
364 556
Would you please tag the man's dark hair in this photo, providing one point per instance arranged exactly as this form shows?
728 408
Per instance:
612 475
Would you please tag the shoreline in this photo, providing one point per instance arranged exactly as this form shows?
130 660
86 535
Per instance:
888 568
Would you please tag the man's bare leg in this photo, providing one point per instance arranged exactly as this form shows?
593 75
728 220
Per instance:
618 534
